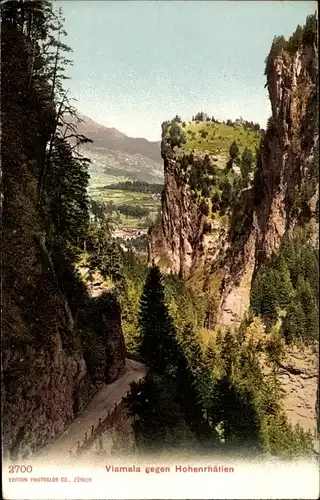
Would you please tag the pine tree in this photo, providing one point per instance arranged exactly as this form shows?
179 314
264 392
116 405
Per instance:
159 422
307 300
66 199
158 345
234 151
191 347
295 41
104 253
310 30
278 44
226 192
228 351
246 165
294 324
285 290
189 399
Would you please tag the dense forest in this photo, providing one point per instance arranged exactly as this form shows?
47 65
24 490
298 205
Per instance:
206 387
137 187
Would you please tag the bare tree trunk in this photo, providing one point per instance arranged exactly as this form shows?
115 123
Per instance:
46 158
32 63
55 68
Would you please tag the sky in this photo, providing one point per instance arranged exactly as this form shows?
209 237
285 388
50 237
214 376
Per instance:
139 63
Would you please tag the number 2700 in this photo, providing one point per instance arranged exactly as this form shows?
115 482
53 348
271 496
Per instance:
19 468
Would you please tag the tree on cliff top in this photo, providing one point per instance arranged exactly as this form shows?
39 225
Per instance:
278 43
234 150
177 135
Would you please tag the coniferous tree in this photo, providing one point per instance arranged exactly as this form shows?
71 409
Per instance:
234 150
278 44
158 345
228 351
177 135
246 165
66 197
226 196
187 388
295 41
104 253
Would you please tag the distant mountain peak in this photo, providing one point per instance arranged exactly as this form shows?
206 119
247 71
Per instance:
112 139
95 127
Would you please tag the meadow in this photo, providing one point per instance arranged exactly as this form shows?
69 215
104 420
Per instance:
120 197
216 138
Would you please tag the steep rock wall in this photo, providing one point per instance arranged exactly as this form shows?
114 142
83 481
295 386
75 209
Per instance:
46 372
286 193
46 375
173 243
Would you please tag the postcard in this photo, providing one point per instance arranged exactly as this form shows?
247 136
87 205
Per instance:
160 251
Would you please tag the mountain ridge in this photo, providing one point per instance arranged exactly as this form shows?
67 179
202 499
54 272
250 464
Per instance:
114 156
112 138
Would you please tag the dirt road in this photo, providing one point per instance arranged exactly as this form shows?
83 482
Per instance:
102 402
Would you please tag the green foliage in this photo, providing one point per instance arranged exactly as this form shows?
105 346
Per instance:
99 210
103 252
278 44
215 138
200 116
295 41
69 280
176 119
46 181
157 346
246 165
285 440
306 35
137 187
310 30
215 394
65 193
176 135
133 210
288 283
234 150
159 422
134 273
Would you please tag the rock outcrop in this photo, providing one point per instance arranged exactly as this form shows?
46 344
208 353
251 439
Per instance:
53 360
298 376
286 191
47 377
173 244
284 195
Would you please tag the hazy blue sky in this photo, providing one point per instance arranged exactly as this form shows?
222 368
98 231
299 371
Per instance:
138 63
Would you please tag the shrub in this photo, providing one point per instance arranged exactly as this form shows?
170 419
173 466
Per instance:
177 136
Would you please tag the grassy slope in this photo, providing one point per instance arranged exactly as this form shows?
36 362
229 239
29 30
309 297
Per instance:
216 143
219 138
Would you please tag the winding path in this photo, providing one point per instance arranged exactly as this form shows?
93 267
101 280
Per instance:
98 407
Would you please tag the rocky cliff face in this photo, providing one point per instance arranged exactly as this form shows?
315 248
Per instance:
284 193
173 243
288 190
52 358
298 375
47 374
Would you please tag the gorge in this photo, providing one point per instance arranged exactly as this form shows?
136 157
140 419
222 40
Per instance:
222 318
